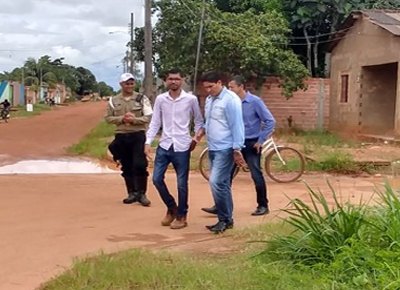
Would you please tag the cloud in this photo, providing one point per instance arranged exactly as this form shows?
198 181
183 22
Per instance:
77 30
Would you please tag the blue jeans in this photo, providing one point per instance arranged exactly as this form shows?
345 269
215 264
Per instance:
181 162
253 160
221 164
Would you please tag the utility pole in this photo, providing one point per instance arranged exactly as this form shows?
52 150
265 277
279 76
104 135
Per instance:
131 57
148 51
196 67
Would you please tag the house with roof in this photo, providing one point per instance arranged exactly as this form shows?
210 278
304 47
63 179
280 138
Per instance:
365 74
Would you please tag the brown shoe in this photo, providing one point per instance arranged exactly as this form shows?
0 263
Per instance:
169 218
179 223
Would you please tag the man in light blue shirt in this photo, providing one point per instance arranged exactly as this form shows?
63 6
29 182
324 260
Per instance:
259 124
225 136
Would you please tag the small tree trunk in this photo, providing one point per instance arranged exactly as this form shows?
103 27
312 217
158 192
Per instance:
309 50
316 61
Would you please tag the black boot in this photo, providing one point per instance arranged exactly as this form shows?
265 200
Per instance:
130 188
141 187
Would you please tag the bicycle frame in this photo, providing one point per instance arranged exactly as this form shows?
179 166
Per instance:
270 145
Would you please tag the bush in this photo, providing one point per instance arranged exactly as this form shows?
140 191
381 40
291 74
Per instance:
353 245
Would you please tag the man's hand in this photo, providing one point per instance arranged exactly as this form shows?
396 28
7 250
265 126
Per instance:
258 147
128 118
147 152
238 158
199 135
193 145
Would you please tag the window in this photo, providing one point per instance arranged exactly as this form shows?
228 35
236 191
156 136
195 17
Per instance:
344 92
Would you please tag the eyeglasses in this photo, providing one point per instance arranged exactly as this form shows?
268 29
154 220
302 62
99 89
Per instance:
174 79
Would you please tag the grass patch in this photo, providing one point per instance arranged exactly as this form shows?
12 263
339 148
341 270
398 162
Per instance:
95 143
136 269
354 246
317 138
21 111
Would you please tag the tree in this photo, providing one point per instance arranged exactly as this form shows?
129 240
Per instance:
256 6
104 89
314 23
245 43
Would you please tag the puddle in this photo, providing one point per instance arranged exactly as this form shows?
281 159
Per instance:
54 167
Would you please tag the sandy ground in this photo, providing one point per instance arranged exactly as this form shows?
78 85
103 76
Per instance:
47 220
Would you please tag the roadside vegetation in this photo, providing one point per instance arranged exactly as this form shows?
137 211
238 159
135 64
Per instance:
319 246
324 151
21 112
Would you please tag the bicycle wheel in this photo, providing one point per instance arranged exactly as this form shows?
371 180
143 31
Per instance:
287 166
204 165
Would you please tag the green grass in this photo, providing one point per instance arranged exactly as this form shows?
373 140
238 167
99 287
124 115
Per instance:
318 138
21 110
355 246
137 269
95 143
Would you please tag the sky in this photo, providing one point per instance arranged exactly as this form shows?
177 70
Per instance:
88 33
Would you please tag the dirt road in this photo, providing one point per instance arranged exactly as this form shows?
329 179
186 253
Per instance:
48 220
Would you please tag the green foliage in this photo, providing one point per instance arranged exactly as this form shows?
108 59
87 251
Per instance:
256 6
254 45
50 72
354 245
138 269
22 112
335 162
95 143
314 22
104 89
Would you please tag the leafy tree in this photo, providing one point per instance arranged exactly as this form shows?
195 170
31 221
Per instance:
251 44
104 89
87 81
314 23
256 6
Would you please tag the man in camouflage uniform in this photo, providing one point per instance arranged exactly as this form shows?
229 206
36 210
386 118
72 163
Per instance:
130 112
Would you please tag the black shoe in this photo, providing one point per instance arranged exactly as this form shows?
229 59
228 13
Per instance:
130 199
211 210
220 227
260 210
143 200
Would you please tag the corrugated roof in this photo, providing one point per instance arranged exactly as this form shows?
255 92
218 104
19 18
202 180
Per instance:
387 19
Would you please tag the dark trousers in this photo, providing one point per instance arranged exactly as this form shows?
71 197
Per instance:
253 160
181 163
129 150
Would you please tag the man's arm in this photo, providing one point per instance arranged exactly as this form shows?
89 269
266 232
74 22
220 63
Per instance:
268 121
110 118
197 116
147 112
155 123
234 117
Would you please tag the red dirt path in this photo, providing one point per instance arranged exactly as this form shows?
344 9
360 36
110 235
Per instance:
48 220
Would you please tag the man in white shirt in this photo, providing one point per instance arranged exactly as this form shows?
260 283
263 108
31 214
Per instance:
173 112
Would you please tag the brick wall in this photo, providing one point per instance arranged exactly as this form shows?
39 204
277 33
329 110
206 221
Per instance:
308 109
303 106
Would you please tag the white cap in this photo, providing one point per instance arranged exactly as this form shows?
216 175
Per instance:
125 77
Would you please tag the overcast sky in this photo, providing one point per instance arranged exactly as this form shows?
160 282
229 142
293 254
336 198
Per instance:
78 30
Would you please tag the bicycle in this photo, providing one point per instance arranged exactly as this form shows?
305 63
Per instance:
282 164
5 114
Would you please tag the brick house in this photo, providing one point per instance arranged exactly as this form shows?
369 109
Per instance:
365 88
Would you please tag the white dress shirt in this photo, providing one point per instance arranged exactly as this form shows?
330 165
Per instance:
174 117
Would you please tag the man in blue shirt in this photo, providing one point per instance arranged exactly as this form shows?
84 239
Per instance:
225 137
259 124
